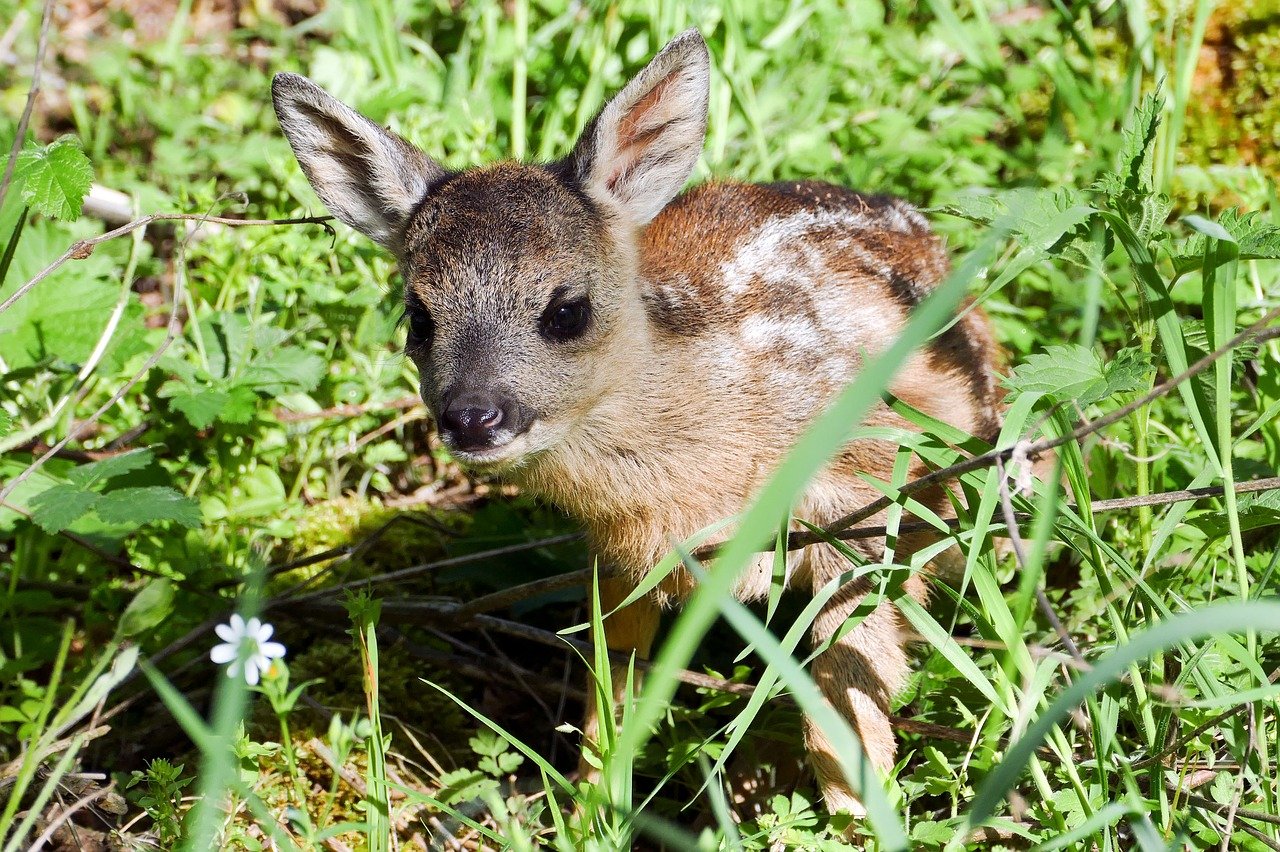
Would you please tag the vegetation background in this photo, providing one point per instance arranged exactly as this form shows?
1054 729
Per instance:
199 418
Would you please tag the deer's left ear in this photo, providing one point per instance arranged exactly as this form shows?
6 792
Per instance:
638 152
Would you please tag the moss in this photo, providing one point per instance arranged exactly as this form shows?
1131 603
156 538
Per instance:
413 537
1234 115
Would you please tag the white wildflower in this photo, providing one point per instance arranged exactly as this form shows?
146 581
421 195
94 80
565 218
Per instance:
248 644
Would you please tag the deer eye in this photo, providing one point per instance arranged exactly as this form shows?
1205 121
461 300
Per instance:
565 319
421 326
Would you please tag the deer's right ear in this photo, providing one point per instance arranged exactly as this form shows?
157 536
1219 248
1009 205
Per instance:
367 176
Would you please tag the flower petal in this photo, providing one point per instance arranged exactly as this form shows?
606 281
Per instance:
237 624
222 654
265 631
271 650
251 673
225 633
252 627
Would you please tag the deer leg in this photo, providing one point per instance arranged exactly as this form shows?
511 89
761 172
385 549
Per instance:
628 630
858 676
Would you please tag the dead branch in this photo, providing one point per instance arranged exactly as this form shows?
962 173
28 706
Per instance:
1020 554
68 812
83 248
1037 447
415 570
285 416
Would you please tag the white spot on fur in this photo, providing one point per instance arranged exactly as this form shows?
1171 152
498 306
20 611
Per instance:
760 331
779 250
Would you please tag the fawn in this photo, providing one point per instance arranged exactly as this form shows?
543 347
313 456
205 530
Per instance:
644 358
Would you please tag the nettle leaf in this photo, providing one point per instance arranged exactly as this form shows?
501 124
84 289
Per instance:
1148 214
138 506
1072 372
57 508
1128 372
200 407
983 208
284 370
55 179
1133 173
88 475
1048 222
1256 239
1255 511
1196 337
1063 372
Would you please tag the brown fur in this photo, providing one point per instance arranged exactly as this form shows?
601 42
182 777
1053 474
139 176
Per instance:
722 323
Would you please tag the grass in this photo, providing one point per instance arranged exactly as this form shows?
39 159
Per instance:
264 456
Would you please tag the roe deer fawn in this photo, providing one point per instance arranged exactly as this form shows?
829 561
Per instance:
644 359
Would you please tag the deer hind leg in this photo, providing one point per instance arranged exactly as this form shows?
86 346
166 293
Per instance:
858 677
628 630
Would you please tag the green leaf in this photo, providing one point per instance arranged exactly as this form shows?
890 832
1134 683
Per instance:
145 505
62 318
148 608
283 370
89 475
55 179
1128 372
1133 173
1257 510
242 405
463 785
59 507
1072 372
1257 240
1065 372
200 407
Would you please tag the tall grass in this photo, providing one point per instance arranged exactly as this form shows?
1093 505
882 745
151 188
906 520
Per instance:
1162 733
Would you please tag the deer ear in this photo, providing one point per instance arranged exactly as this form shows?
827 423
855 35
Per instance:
367 176
638 152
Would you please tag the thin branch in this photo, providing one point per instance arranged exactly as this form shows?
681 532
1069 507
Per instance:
523 592
798 540
1197 730
82 249
67 813
1163 498
1218 807
1035 448
286 416
1259 836
1020 554
20 135
415 570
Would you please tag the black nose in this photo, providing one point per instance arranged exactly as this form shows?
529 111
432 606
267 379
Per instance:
471 419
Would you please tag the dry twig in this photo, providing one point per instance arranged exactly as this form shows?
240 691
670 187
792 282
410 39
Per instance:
987 459
83 248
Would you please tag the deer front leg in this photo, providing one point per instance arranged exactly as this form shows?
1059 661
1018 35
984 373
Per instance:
858 676
628 630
